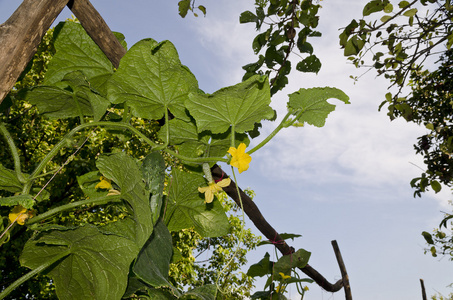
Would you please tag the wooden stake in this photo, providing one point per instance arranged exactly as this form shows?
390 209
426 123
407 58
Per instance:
344 274
20 36
423 289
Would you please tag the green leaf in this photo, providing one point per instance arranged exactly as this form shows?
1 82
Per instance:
247 17
298 259
202 9
309 64
124 171
311 106
152 80
184 6
262 268
153 262
153 172
388 8
96 266
436 186
121 38
9 181
403 4
428 237
304 47
283 236
410 12
240 106
385 18
186 207
204 292
76 51
374 6
74 99
25 200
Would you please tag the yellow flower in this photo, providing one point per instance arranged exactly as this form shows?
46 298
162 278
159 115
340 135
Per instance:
280 289
105 184
20 214
213 188
284 276
240 159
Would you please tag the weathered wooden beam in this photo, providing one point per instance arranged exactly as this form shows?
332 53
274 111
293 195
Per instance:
98 30
344 273
20 36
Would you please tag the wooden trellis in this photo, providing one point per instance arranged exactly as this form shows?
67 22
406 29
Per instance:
20 36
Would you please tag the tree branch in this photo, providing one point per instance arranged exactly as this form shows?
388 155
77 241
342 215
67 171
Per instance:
269 232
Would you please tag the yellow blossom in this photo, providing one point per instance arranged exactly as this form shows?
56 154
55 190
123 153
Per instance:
280 289
213 188
105 184
240 159
20 214
284 276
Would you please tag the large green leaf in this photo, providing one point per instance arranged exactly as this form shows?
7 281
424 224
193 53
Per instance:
186 207
124 171
153 172
241 106
9 181
72 97
151 79
76 51
96 266
311 106
153 262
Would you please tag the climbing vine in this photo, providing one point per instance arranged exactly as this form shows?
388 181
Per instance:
133 252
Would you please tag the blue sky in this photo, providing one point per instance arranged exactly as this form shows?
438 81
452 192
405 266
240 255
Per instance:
347 181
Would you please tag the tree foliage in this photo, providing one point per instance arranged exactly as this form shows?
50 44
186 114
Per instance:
402 41
285 27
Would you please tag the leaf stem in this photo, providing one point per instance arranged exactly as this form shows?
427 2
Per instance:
32 273
167 135
199 160
51 212
282 124
14 152
69 135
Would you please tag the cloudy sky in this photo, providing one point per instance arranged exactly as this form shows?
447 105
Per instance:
348 181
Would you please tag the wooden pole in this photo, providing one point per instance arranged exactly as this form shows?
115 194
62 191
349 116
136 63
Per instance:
98 30
422 283
20 36
344 274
